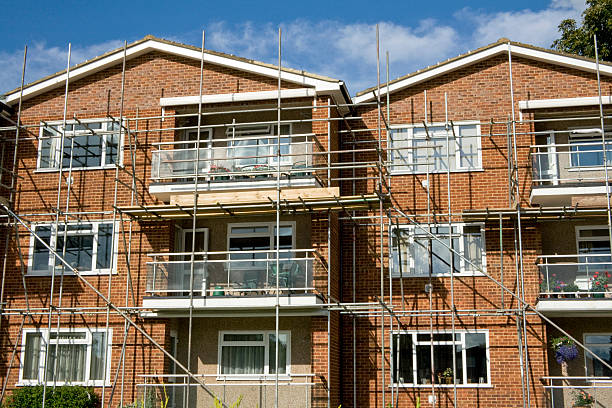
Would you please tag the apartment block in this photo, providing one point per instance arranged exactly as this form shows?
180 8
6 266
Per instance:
183 226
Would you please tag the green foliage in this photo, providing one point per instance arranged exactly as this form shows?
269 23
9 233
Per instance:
219 404
61 397
557 342
583 399
596 19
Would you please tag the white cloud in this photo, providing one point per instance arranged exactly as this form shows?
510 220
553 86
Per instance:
536 27
43 60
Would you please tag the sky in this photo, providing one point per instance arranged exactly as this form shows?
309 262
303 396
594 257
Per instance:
327 37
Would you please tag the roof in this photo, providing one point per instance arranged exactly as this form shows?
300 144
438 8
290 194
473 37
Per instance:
150 43
502 46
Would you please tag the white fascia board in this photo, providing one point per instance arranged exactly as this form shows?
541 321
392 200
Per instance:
516 50
150 45
238 97
564 102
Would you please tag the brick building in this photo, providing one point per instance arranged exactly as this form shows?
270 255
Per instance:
184 225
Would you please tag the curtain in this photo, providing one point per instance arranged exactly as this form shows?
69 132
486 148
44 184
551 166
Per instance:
70 362
242 359
98 356
32 356
282 353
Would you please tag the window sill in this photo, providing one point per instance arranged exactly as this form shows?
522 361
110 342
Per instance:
108 167
60 383
442 275
441 386
69 273
413 173
582 169
253 377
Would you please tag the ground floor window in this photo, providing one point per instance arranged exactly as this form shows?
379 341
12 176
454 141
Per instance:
75 356
601 345
412 353
253 353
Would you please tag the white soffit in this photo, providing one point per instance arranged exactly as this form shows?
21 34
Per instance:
516 50
564 102
86 69
238 97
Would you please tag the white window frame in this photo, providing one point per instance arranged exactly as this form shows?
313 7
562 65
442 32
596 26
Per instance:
88 341
588 138
238 130
416 342
69 133
270 226
411 167
52 241
584 341
265 342
465 269
586 239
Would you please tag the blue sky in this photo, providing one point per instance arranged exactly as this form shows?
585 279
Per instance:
333 38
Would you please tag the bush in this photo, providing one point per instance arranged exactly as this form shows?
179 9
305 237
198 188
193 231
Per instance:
61 397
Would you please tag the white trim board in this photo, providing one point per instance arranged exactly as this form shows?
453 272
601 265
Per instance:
501 48
155 45
564 102
238 97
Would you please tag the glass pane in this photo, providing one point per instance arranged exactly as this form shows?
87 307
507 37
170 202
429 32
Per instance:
400 155
40 258
282 354
600 232
250 230
588 153
79 251
242 359
68 336
105 239
87 151
48 151
70 364
594 367
31 360
112 148
598 339
473 247
243 337
98 356
468 147
476 358
402 358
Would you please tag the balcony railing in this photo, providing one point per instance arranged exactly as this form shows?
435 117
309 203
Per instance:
575 276
568 391
246 158
233 273
557 164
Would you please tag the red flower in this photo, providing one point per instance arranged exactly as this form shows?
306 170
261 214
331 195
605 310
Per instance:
596 273
606 286
554 274
608 274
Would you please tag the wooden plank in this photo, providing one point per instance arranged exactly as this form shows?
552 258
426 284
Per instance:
254 196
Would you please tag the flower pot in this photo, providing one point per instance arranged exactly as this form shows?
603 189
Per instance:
448 380
598 295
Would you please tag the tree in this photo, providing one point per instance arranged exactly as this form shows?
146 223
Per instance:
596 19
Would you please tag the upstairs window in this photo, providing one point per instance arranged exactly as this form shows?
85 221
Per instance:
411 246
601 345
88 247
256 145
409 152
86 145
587 149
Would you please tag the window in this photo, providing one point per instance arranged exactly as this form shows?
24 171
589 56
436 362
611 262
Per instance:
409 154
253 353
412 244
89 143
259 237
587 149
601 345
258 145
593 244
88 246
75 356
412 357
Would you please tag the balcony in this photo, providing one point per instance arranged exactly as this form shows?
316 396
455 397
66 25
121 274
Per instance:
575 285
237 164
234 280
570 174
570 391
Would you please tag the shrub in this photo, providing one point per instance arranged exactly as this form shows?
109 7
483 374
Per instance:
66 396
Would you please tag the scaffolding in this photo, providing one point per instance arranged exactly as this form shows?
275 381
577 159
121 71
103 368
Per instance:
355 176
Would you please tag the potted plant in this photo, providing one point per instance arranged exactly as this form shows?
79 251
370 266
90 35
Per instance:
599 283
551 284
583 399
565 350
448 375
571 289
214 169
